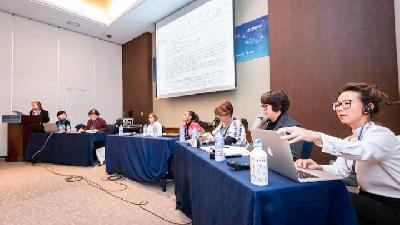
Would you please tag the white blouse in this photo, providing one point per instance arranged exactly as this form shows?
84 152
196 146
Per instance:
154 129
377 152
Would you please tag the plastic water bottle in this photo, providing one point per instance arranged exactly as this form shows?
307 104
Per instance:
258 165
155 134
182 134
120 130
219 146
145 130
194 138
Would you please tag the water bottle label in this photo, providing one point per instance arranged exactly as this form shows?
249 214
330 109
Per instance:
259 170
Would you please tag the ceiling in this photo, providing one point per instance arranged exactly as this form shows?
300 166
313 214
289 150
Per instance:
130 25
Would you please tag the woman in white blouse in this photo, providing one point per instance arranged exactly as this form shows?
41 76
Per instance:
372 151
154 127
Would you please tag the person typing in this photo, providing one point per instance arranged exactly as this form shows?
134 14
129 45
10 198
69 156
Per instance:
275 106
372 151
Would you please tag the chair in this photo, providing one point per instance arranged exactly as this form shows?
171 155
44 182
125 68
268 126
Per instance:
307 150
111 129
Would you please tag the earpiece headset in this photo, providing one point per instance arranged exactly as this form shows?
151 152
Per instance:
367 109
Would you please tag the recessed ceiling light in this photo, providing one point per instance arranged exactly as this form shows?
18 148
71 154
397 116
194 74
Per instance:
74 24
104 12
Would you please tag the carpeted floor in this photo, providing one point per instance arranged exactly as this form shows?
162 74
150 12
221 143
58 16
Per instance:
32 195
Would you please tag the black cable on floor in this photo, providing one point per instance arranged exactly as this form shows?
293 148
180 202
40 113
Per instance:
115 178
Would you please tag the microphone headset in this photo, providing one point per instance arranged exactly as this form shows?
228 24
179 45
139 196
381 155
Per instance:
367 109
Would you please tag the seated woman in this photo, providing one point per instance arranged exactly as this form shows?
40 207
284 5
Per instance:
191 121
372 151
37 110
95 123
275 105
233 131
154 128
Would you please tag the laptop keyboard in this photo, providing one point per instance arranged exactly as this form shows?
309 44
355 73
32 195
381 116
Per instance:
304 175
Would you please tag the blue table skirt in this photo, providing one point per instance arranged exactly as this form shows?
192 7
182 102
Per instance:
143 159
64 148
210 192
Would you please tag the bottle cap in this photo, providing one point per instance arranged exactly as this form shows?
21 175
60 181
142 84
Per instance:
257 143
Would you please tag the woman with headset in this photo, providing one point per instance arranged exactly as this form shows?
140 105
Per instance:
372 152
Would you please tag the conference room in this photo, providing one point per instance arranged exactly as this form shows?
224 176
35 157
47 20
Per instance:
203 112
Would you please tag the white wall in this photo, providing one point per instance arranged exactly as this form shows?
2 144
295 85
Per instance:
253 78
62 69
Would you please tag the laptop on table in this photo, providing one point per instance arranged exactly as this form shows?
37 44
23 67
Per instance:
280 159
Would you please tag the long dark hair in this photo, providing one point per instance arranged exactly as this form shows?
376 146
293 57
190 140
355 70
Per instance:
194 116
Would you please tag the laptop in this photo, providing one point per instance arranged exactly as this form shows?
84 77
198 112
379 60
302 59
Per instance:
50 127
280 159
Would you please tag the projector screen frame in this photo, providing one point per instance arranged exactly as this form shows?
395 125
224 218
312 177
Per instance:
177 14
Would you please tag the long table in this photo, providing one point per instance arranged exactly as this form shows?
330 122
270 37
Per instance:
64 148
143 159
209 192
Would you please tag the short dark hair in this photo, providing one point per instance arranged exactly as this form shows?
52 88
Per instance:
223 108
277 99
60 113
369 93
194 116
93 112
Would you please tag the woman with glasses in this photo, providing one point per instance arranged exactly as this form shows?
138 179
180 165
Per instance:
372 151
232 129
275 105
154 128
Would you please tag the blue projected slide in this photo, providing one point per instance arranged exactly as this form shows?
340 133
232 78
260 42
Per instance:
251 40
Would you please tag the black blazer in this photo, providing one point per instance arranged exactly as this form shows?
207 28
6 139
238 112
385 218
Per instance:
44 116
285 121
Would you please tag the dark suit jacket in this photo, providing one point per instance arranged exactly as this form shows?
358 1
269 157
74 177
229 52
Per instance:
285 121
43 114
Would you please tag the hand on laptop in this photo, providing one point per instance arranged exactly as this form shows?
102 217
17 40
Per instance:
295 134
308 164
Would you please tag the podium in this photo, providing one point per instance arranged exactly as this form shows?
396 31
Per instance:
19 130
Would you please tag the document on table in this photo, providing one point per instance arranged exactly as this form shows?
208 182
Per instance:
229 150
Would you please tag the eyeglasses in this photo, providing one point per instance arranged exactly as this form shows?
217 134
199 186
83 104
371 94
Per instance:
345 104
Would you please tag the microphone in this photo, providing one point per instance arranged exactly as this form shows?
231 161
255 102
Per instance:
238 165
215 122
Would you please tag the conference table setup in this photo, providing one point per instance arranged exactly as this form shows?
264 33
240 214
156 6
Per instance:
140 158
210 192
63 148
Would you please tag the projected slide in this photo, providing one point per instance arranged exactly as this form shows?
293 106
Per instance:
194 50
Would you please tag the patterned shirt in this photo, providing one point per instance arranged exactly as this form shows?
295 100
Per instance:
234 129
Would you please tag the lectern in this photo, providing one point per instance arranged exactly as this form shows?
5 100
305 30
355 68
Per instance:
19 130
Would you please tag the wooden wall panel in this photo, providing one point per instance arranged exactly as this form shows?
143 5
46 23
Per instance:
319 45
136 77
